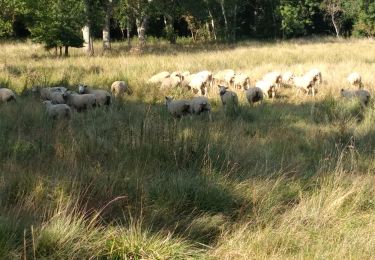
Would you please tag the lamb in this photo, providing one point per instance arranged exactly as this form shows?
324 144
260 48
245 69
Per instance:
304 83
274 77
119 88
171 82
254 95
287 78
200 82
102 97
267 88
228 97
199 105
58 110
225 77
79 102
362 95
7 95
241 81
355 80
316 75
158 78
177 108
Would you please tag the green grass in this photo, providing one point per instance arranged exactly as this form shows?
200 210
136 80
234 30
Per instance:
291 178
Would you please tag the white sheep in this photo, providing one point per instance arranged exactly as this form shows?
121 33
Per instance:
103 97
119 88
287 78
241 81
362 95
200 82
274 77
355 80
228 97
254 95
177 108
187 79
185 73
225 77
79 102
57 110
305 83
267 88
7 95
171 82
199 105
316 75
158 78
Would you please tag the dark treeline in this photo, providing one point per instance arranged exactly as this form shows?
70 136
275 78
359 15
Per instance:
64 23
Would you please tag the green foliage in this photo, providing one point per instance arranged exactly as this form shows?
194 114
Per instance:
365 23
9 9
57 23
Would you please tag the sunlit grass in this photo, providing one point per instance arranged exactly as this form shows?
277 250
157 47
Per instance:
291 178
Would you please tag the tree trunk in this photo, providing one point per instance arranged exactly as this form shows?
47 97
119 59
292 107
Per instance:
86 31
141 29
128 34
107 27
222 2
88 43
66 51
234 27
55 51
60 47
212 24
337 28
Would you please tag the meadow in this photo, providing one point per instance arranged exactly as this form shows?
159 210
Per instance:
290 178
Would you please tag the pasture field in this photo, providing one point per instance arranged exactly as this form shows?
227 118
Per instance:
290 178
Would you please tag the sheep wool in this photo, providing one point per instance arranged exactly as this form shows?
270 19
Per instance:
355 80
267 88
254 95
225 77
7 95
158 78
177 108
274 77
199 105
171 82
362 95
57 111
102 97
241 81
119 88
228 97
79 102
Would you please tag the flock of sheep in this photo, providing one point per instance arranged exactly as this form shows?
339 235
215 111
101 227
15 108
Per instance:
228 81
59 101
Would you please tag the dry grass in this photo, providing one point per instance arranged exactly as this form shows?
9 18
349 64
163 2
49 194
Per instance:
291 178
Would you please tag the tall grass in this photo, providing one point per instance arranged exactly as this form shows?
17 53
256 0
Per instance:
291 178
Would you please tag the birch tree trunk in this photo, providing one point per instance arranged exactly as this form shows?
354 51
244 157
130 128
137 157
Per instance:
106 28
88 43
222 3
141 29
337 28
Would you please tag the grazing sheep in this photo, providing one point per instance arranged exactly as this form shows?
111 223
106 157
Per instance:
53 94
119 88
241 81
267 88
171 82
199 105
316 75
254 95
362 95
200 82
158 78
287 78
304 83
225 77
187 79
79 102
177 108
7 95
58 110
274 77
228 97
355 80
103 97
